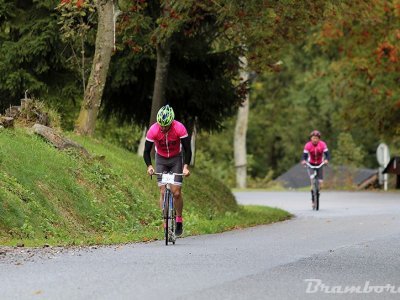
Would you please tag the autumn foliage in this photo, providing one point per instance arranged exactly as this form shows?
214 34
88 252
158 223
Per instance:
387 51
78 3
364 39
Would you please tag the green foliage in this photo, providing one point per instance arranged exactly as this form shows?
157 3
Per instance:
214 154
32 56
37 111
287 104
77 20
203 87
202 84
266 28
365 64
284 108
347 152
124 135
342 78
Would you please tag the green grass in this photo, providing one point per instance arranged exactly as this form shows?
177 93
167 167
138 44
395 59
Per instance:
60 198
268 189
245 216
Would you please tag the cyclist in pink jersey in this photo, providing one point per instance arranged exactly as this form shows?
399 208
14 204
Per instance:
316 152
169 137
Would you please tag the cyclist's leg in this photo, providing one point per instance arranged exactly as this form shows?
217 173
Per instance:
178 205
178 199
161 167
313 196
162 193
320 175
310 172
176 188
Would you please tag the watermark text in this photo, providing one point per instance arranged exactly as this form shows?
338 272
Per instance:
317 286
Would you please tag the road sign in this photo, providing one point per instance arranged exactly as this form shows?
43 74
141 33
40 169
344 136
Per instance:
383 157
382 154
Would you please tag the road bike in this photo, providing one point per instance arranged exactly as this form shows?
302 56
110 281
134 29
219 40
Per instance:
169 212
314 183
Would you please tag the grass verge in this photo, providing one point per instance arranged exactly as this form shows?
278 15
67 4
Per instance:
60 198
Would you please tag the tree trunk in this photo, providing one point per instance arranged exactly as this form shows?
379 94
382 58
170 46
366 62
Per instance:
142 142
160 82
57 139
86 121
240 134
193 145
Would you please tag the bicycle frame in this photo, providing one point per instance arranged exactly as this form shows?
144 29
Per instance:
315 183
168 207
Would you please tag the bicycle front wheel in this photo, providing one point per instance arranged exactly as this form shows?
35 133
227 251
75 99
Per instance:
172 221
166 213
317 194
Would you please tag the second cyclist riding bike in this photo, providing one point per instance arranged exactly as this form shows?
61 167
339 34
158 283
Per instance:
315 184
315 155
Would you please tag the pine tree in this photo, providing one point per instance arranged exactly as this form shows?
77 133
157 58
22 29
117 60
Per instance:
32 55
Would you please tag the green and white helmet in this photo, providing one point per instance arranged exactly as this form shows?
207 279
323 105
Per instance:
165 115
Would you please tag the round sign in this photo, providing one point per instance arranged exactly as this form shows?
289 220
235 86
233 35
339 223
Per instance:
382 154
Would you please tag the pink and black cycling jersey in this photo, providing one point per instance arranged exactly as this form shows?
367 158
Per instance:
315 153
167 144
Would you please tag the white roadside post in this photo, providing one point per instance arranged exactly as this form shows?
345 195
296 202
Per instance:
383 157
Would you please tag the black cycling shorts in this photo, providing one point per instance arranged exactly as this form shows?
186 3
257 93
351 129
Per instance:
172 164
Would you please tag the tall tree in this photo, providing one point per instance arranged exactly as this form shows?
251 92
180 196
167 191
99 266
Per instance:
239 143
90 107
203 82
163 50
160 81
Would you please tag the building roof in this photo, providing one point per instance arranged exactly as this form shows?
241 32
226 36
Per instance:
296 176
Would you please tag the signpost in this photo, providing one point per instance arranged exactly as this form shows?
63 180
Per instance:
383 157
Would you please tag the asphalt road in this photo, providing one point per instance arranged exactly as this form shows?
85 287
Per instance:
352 243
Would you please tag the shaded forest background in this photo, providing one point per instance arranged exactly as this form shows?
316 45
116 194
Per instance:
341 77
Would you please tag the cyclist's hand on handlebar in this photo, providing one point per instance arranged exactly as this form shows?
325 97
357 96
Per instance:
150 170
186 171
303 162
326 161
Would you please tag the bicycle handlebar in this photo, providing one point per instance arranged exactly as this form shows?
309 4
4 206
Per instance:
176 174
315 167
